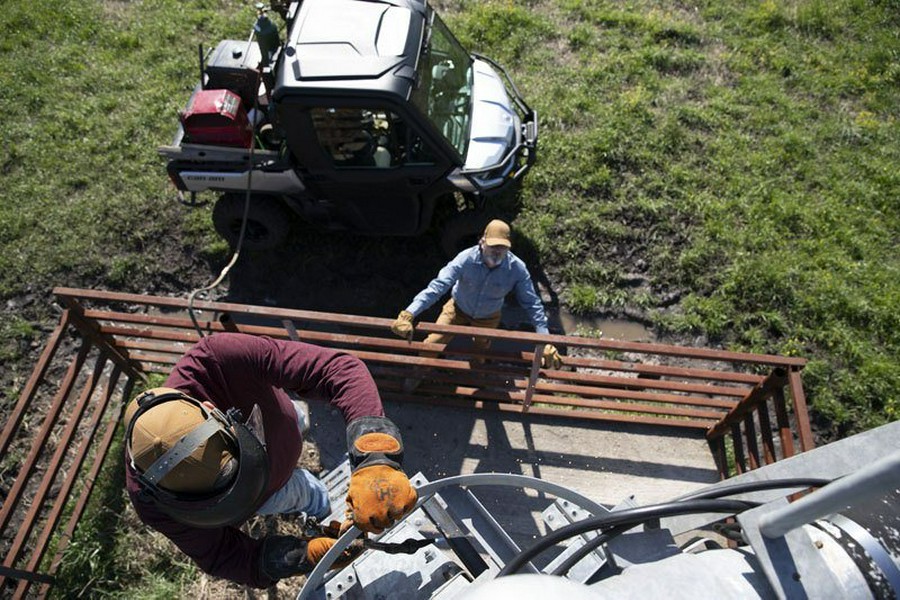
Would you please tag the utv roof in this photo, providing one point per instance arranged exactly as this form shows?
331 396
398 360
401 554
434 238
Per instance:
367 47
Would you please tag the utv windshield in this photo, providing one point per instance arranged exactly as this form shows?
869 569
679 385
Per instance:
444 93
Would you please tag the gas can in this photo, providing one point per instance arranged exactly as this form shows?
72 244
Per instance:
216 117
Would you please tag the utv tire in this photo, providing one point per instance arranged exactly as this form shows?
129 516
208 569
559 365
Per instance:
267 221
463 230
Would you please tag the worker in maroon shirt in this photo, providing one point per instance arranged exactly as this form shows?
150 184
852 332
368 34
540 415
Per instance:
220 443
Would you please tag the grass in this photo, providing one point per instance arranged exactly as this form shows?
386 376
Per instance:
113 555
86 88
742 156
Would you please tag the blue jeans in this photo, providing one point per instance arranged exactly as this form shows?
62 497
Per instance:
303 492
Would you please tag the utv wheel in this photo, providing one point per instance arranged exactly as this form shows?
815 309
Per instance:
267 221
463 230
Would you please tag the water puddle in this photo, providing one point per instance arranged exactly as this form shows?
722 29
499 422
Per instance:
566 323
613 329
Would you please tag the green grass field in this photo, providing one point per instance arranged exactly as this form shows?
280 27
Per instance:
746 155
742 156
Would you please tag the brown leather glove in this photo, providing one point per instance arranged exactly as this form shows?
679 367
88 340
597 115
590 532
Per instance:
380 492
403 325
550 358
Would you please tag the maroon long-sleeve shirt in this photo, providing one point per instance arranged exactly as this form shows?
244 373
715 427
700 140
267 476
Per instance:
238 370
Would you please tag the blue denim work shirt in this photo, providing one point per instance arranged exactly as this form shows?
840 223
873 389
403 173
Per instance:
479 290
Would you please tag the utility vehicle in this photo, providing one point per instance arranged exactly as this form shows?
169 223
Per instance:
369 116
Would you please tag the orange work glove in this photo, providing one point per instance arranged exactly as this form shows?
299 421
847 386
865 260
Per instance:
403 325
318 547
378 497
380 492
550 359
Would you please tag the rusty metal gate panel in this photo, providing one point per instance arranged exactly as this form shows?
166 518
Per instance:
756 401
58 451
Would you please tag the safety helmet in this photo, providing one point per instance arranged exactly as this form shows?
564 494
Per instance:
200 466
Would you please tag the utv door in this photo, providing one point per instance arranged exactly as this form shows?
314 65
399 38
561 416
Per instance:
370 167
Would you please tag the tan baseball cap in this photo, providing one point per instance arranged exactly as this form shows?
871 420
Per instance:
497 234
159 428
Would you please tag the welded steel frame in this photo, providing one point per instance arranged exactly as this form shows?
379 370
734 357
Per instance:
725 395
714 389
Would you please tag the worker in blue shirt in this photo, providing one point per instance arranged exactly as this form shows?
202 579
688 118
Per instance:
479 278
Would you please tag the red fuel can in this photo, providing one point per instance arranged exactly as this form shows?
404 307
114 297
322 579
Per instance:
216 117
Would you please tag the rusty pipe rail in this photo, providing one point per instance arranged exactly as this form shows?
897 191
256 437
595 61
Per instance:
48 459
749 425
236 310
601 379
713 390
